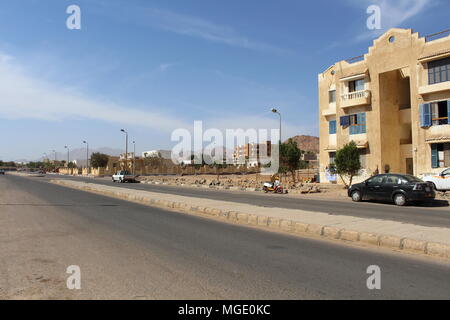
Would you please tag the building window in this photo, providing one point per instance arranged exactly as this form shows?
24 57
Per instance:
439 71
439 113
435 114
332 157
332 96
440 155
332 127
357 85
358 123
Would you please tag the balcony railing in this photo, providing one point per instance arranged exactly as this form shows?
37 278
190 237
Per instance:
356 95
438 35
355 59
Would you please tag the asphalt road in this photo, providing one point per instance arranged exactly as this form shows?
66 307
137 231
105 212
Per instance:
436 216
126 250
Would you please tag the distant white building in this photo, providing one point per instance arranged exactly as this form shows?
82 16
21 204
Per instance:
164 154
129 155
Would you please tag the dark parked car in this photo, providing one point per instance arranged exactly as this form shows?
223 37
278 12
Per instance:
2 172
399 188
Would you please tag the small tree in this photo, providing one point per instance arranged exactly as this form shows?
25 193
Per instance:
99 160
347 162
71 165
290 156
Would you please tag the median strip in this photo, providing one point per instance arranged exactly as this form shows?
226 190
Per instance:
432 241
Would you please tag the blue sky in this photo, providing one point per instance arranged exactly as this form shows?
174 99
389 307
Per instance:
155 66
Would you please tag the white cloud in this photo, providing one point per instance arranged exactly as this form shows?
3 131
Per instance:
206 30
393 13
163 67
27 97
24 96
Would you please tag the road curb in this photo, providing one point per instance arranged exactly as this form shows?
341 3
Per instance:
293 227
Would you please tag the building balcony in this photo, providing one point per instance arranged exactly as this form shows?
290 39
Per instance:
358 98
433 88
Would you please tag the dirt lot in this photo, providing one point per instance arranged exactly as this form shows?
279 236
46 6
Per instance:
251 181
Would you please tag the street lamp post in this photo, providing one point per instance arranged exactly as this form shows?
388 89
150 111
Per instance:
126 148
87 157
55 155
277 112
134 157
68 151
45 159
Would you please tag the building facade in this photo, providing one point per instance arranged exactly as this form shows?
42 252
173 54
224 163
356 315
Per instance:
393 102
253 154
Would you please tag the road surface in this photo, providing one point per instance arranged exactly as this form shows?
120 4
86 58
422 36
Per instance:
436 216
129 251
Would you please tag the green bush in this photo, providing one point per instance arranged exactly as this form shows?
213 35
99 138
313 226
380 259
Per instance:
347 162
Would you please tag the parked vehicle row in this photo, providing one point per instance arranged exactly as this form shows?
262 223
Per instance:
397 188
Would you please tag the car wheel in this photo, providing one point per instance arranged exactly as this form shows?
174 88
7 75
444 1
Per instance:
400 199
356 196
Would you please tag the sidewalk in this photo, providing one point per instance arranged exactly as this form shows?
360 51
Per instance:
383 233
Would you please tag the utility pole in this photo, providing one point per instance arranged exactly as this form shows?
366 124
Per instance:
87 157
66 147
134 158
126 148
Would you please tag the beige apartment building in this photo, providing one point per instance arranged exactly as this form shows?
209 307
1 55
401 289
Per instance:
252 154
394 102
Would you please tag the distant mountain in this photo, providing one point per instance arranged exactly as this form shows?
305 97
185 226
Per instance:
307 143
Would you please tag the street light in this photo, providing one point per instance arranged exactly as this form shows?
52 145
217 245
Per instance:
68 151
276 111
87 157
134 157
55 155
126 147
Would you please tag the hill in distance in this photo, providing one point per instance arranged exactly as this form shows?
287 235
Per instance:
307 143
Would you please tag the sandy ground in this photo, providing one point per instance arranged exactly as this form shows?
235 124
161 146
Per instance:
250 181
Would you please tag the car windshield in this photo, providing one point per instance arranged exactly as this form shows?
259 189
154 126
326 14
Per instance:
410 178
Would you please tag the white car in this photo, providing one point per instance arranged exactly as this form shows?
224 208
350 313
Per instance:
440 181
123 176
